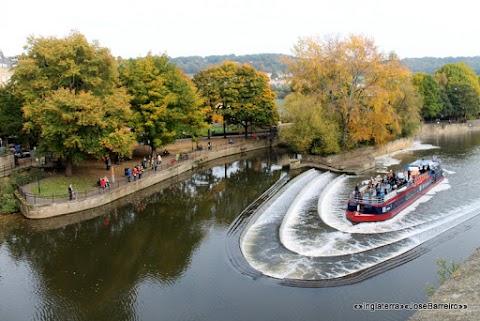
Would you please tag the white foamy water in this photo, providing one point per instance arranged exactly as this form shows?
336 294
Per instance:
303 234
334 215
275 211
389 159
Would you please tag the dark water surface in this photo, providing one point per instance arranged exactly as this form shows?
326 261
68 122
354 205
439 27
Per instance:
160 255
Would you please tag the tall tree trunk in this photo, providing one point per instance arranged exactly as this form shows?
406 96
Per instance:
69 166
245 127
152 151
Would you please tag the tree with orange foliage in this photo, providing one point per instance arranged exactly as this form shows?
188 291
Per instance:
357 86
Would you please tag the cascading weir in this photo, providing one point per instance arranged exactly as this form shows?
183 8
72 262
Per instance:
298 233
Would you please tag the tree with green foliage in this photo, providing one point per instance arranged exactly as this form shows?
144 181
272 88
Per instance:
70 96
240 93
461 85
406 105
165 102
11 118
465 101
431 93
451 75
308 131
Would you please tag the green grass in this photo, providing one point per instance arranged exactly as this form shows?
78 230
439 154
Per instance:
59 185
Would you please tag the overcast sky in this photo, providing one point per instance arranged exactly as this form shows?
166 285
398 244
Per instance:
411 28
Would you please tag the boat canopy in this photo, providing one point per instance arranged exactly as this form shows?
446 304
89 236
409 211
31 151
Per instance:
416 165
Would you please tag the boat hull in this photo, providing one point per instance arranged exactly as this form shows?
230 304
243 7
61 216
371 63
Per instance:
397 204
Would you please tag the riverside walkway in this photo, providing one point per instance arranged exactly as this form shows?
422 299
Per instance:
35 207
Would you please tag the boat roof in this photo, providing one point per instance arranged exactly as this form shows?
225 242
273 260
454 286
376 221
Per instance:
423 162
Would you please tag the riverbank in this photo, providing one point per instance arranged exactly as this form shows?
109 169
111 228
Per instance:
462 288
38 208
352 162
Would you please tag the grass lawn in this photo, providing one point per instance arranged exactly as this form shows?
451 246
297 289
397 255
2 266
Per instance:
59 185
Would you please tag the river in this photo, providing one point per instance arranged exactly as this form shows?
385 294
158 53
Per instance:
161 254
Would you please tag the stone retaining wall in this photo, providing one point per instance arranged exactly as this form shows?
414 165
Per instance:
446 128
51 210
356 161
7 162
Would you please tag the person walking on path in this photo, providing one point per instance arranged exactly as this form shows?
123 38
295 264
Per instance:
129 175
135 172
159 160
70 192
103 184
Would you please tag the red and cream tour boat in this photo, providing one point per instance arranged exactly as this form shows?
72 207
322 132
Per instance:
382 198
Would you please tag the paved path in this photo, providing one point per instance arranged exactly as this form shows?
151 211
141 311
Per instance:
462 288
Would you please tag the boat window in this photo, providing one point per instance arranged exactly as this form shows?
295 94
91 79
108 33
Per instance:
352 207
369 210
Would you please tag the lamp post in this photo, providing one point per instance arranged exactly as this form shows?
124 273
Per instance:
38 180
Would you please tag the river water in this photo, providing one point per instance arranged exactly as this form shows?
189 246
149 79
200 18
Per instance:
163 253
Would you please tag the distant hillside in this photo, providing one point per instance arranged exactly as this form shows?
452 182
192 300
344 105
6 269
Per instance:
273 63
431 64
268 63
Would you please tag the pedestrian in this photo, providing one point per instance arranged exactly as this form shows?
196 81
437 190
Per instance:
70 192
102 184
108 163
155 165
209 146
135 173
129 175
107 181
159 159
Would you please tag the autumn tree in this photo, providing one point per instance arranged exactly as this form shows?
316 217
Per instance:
240 94
70 96
431 93
165 102
355 83
308 131
214 86
407 105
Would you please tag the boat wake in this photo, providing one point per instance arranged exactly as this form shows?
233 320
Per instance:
302 234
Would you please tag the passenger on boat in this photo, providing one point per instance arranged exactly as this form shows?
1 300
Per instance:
382 196
387 187
358 195
366 196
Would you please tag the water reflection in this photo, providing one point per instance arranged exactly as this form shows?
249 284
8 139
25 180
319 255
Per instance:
91 269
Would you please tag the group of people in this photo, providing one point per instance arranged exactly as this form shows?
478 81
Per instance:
200 147
103 182
379 187
135 172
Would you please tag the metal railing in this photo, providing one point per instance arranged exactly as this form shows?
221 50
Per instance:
379 200
122 180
